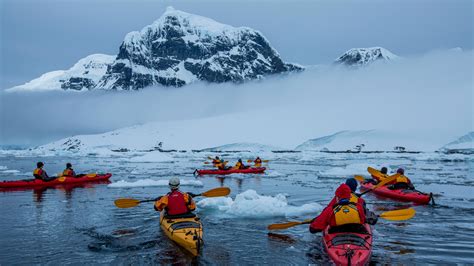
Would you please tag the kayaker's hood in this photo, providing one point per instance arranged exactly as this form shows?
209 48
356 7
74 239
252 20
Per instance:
343 192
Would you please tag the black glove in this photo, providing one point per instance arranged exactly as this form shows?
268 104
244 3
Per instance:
372 218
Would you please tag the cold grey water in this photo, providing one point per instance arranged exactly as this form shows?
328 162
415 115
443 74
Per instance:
81 225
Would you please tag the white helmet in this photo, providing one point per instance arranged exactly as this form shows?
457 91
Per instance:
174 183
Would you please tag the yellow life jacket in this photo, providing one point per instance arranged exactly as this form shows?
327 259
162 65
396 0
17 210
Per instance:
347 213
67 172
402 179
238 165
38 172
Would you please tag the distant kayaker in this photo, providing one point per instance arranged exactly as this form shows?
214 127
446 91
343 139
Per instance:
376 179
41 174
346 211
257 162
216 161
175 203
240 165
402 182
69 171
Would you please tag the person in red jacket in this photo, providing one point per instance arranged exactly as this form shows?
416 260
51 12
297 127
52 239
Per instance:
344 210
175 203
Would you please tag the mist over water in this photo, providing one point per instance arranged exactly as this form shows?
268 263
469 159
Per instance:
430 94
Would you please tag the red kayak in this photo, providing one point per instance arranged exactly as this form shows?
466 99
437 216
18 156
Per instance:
36 183
406 195
257 170
349 248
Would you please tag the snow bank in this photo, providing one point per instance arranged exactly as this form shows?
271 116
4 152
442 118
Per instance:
366 140
152 183
152 157
464 144
250 204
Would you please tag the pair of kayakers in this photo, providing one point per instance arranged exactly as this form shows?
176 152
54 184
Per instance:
40 173
402 181
221 164
345 212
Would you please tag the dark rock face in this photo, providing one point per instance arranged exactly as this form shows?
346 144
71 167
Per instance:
77 83
180 48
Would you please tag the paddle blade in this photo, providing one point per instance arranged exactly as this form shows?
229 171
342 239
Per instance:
217 192
126 203
386 181
398 215
92 175
374 171
61 179
206 162
359 178
287 225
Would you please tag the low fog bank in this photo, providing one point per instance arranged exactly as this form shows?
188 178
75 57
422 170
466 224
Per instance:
429 96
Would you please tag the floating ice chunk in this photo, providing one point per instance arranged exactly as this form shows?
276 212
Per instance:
10 171
252 205
152 157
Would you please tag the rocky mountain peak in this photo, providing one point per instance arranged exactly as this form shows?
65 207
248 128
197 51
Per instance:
365 56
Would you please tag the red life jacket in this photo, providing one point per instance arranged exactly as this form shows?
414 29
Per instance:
176 203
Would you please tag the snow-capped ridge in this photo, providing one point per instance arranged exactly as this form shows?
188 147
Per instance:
464 145
83 75
363 141
365 56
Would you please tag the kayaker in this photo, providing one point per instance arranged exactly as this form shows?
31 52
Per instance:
402 182
376 179
69 171
370 216
175 203
216 161
240 165
222 166
257 162
41 174
343 212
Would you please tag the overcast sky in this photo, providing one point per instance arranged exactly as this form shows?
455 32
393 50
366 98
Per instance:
41 36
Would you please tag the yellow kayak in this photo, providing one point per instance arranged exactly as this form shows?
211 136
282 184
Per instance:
186 232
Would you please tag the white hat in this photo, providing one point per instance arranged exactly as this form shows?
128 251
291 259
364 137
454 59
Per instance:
174 183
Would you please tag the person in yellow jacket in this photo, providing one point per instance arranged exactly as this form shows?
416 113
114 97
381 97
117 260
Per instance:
69 171
175 203
240 165
41 174
257 162
402 182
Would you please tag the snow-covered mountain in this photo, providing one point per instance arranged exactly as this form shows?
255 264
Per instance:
364 56
363 140
175 50
464 144
84 75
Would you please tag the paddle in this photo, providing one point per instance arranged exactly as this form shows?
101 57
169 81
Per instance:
287 225
397 215
129 203
380 184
